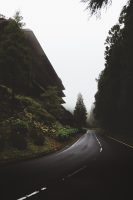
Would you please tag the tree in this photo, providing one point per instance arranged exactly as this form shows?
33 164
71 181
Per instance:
113 101
52 101
95 5
91 121
15 58
18 18
67 117
80 113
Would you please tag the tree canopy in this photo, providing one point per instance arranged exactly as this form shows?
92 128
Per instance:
113 101
52 101
15 58
19 19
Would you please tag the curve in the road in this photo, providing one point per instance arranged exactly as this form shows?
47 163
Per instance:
24 177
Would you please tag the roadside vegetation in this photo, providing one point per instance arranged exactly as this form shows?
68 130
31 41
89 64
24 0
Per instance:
33 121
113 109
28 130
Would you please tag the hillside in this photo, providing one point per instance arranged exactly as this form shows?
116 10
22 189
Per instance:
33 120
27 129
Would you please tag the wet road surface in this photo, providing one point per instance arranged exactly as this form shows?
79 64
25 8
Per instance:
95 167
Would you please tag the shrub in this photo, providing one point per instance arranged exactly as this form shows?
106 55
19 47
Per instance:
64 134
63 137
81 130
5 92
27 101
20 126
39 139
18 141
36 109
2 142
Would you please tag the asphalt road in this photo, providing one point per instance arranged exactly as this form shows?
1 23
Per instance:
95 167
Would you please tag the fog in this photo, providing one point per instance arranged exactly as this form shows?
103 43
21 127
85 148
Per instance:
73 42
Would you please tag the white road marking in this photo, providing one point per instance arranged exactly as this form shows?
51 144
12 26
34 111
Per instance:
44 188
32 194
120 142
22 198
101 149
77 171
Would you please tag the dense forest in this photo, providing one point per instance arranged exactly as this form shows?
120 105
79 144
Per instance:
113 101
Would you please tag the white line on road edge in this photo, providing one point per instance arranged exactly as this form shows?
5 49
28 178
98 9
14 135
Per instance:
101 149
120 142
32 194
82 168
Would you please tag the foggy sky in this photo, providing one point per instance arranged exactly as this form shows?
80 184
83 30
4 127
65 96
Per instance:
73 42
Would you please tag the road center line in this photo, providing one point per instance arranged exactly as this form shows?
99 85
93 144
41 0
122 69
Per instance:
32 194
101 149
44 188
22 198
77 171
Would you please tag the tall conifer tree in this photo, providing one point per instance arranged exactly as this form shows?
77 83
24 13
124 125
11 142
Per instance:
80 113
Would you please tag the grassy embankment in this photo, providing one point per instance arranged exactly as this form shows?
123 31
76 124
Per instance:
27 130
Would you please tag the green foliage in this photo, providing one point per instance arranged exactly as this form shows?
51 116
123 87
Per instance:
113 101
28 122
52 101
64 134
66 117
5 102
20 126
80 113
36 109
28 101
60 132
18 18
18 141
2 142
81 130
15 57
25 121
38 138
5 92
